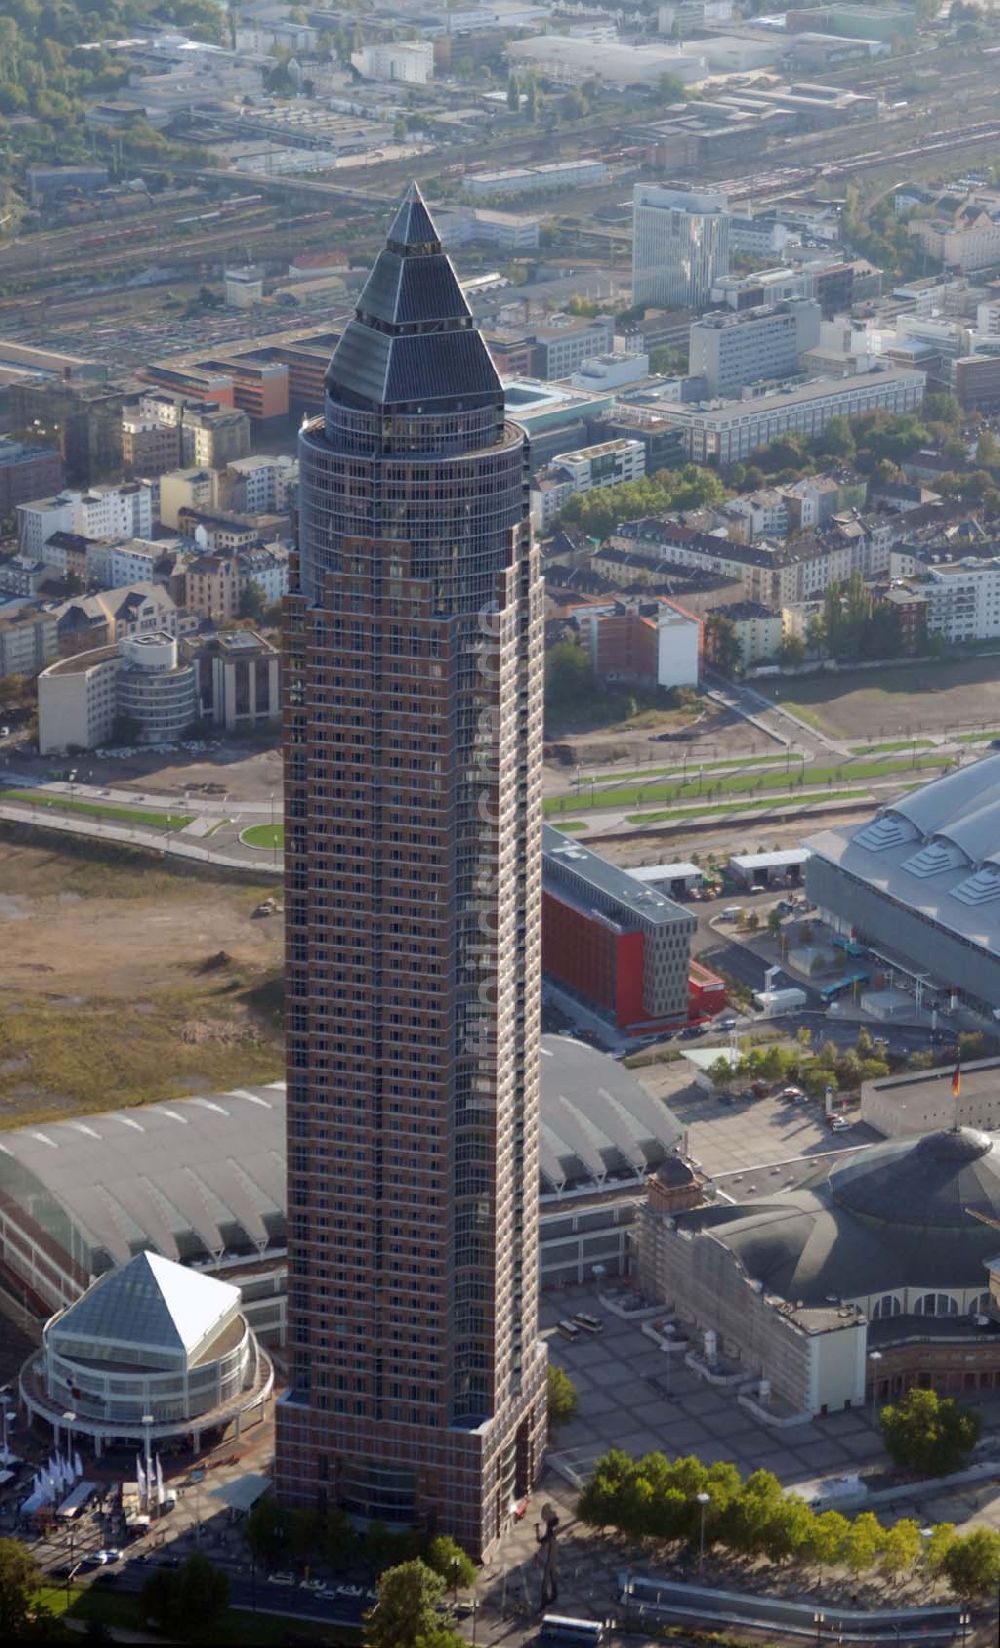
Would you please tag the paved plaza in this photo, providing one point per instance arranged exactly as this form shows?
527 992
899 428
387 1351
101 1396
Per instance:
631 1399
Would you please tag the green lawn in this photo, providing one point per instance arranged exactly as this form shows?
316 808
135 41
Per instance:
977 737
268 837
98 809
237 1626
710 809
624 795
569 826
892 745
740 761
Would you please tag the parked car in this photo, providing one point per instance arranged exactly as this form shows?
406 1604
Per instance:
791 1093
839 1124
690 1031
281 1579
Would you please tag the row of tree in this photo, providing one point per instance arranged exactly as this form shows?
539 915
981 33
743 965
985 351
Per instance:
844 1069
600 511
657 1499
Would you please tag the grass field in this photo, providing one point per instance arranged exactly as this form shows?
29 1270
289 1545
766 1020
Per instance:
710 810
97 809
776 779
569 826
899 699
891 747
124 982
742 762
121 1610
268 837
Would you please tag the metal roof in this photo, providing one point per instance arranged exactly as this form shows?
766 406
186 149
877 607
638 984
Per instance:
936 851
568 862
198 1178
192 1178
598 1124
781 859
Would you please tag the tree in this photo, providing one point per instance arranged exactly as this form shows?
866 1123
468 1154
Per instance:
863 1544
569 678
929 1433
184 1602
408 1613
720 1072
774 924
19 1581
513 95
721 644
900 1548
564 1398
266 1529
340 1539
971 1564
938 1545
448 1559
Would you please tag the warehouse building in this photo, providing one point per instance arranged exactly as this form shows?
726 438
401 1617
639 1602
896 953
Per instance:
919 884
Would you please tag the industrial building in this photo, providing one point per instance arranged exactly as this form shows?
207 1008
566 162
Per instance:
919 884
879 1252
621 947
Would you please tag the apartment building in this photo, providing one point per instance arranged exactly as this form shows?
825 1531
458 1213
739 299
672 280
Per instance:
266 566
962 599
213 436
680 245
185 489
610 463
212 587
258 485
148 446
124 511
757 630
730 431
28 641
733 348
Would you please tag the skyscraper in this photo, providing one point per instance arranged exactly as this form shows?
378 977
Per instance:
680 245
412 840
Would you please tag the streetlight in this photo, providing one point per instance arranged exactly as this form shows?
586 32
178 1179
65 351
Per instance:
5 1411
704 1500
965 1620
874 1357
818 1619
69 1420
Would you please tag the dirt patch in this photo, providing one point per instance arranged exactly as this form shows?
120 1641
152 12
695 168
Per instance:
900 700
105 999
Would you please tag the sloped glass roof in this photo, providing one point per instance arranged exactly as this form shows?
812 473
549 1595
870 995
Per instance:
150 1302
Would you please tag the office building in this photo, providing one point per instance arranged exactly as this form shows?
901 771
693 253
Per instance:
611 463
124 511
138 688
918 885
730 350
238 681
244 287
680 245
148 446
729 431
413 701
213 436
408 61
621 948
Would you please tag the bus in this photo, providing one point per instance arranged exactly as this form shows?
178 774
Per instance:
830 992
560 1628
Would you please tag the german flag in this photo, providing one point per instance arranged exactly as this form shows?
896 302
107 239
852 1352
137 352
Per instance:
956 1081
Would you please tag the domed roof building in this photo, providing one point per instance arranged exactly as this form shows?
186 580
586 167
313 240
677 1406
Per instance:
872 1274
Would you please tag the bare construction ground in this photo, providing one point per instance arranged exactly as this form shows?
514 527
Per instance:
899 700
122 981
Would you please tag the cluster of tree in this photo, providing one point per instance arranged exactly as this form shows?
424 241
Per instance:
874 443
856 625
688 487
21 1618
45 72
563 1397
829 1066
656 1498
186 1600
882 237
275 1534
929 1433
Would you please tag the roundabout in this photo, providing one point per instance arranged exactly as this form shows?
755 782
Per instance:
265 837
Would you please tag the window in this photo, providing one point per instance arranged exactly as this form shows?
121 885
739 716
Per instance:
888 1305
936 1304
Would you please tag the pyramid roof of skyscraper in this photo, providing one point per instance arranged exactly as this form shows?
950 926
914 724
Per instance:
412 343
